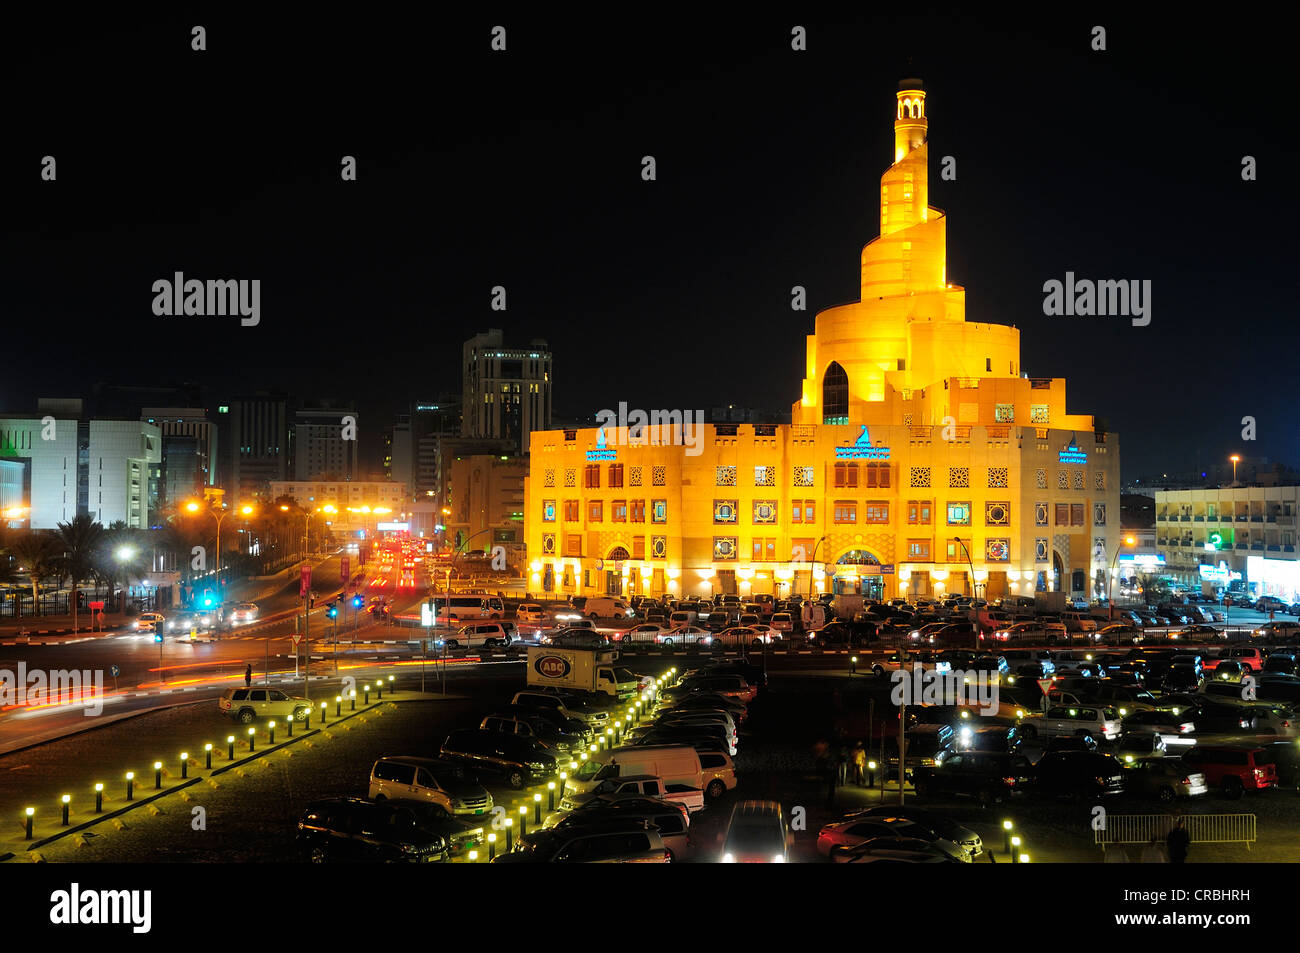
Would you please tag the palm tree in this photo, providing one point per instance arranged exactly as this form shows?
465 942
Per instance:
38 552
81 541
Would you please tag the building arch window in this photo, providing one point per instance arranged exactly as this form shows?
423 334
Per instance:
835 395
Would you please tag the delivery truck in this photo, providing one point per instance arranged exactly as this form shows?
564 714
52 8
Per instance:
580 670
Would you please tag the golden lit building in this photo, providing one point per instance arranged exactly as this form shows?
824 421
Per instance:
918 454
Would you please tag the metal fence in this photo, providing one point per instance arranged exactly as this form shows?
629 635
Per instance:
1203 829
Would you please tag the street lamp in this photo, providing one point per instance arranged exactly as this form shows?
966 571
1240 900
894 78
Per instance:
124 555
217 513
1235 460
1110 579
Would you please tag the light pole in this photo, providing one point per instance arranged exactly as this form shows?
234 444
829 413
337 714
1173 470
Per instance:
217 513
124 555
1235 460
1110 579
811 563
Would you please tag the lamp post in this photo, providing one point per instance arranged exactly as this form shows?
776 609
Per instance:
1235 460
1110 579
124 555
218 513
811 562
971 564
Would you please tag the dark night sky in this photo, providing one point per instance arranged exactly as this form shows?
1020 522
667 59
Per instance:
522 169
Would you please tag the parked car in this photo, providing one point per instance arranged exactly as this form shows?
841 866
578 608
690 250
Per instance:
351 830
1167 779
838 835
427 780
518 761
1098 721
1233 770
1078 774
623 841
1174 730
666 819
1071 743
988 777
636 785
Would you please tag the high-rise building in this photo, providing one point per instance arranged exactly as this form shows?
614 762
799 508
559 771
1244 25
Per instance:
68 465
505 392
189 454
325 443
255 433
920 458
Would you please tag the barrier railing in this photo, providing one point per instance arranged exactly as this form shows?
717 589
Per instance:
1202 828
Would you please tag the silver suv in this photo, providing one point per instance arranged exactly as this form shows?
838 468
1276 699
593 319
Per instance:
256 704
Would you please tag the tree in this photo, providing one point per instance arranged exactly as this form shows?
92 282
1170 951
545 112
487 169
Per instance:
38 553
81 539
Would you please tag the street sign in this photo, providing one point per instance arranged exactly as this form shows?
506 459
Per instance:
887 569
1044 684
305 587
96 605
114 671
343 569
296 638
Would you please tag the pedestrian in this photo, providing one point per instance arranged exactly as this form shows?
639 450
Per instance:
859 764
841 764
248 676
1154 852
1178 840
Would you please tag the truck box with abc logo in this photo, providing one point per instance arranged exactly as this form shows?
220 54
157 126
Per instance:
580 670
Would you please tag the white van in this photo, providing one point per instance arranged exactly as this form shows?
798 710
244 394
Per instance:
1080 622
468 608
674 764
607 607
682 617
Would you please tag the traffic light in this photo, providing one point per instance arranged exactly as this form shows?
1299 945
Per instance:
332 611
207 598
358 601
157 636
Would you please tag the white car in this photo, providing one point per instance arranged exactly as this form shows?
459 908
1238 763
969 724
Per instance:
646 632
243 613
764 633
686 635
781 622
530 613
1097 720
147 621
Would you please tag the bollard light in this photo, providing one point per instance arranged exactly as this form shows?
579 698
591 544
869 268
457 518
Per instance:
67 798
537 806
99 799
584 756
207 756
288 725
853 665
523 819
492 847
1023 859
510 829
1006 837
392 686
322 713
31 812
564 777
157 775
366 696
338 706
130 785
353 699
473 856
252 739
270 728
185 764
379 687
230 747
871 774
1015 855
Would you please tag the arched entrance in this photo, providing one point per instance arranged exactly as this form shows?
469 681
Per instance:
866 582
1058 571
614 570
